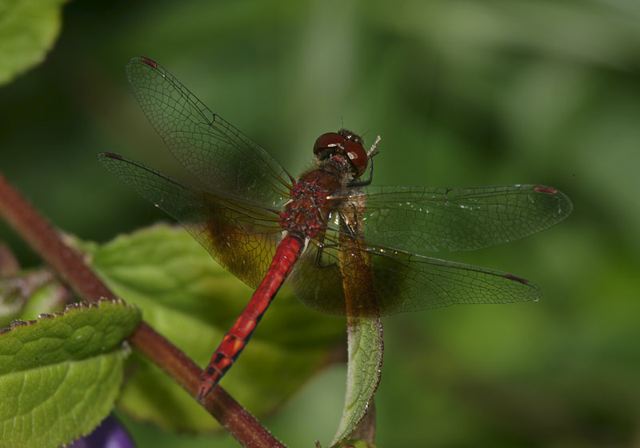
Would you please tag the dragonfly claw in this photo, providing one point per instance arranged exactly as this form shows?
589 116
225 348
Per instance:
206 386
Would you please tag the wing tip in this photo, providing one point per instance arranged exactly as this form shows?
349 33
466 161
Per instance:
138 65
534 293
564 204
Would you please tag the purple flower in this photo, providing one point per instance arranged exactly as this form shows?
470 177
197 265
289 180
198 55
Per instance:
110 434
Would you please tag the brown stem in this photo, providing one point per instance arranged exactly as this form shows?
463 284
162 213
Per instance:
8 262
45 240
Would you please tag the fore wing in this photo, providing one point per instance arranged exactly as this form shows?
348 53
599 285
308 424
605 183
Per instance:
426 220
220 156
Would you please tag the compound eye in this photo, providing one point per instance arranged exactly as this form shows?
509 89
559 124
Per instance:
328 143
357 156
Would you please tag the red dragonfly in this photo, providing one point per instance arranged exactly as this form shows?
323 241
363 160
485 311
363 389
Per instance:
265 226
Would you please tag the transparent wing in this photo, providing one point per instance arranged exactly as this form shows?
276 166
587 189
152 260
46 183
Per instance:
241 236
218 154
424 220
403 282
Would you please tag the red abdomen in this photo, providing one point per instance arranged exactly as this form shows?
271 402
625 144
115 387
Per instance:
237 337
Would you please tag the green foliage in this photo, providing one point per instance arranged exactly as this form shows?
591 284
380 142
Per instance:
192 301
60 375
26 295
366 347
28 29
44 300
10 302
355 444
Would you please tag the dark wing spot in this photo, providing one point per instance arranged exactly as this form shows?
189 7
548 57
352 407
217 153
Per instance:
148 61
515 278
111 155
544 189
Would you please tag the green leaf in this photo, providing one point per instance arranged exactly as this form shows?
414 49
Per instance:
28 29
192 301
11 302
355 444
46 299
366 347
60 375
27 294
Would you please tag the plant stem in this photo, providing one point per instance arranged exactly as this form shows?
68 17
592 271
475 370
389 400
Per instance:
366 429
8 264
70 265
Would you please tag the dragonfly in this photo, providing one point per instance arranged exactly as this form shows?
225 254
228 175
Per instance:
265 226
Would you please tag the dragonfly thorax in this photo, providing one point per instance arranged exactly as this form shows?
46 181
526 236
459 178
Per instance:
306 213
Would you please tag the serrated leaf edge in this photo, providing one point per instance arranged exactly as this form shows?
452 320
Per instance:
70 308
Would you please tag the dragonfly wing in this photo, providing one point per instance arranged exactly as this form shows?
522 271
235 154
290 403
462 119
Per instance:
317 281
404 282
241 236
427 220
219 155
408 282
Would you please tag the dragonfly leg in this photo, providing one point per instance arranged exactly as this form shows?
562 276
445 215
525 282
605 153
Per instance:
321 245
348 228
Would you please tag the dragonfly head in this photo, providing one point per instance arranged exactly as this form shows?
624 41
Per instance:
344 143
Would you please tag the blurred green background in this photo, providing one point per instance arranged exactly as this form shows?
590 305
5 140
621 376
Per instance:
463 93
